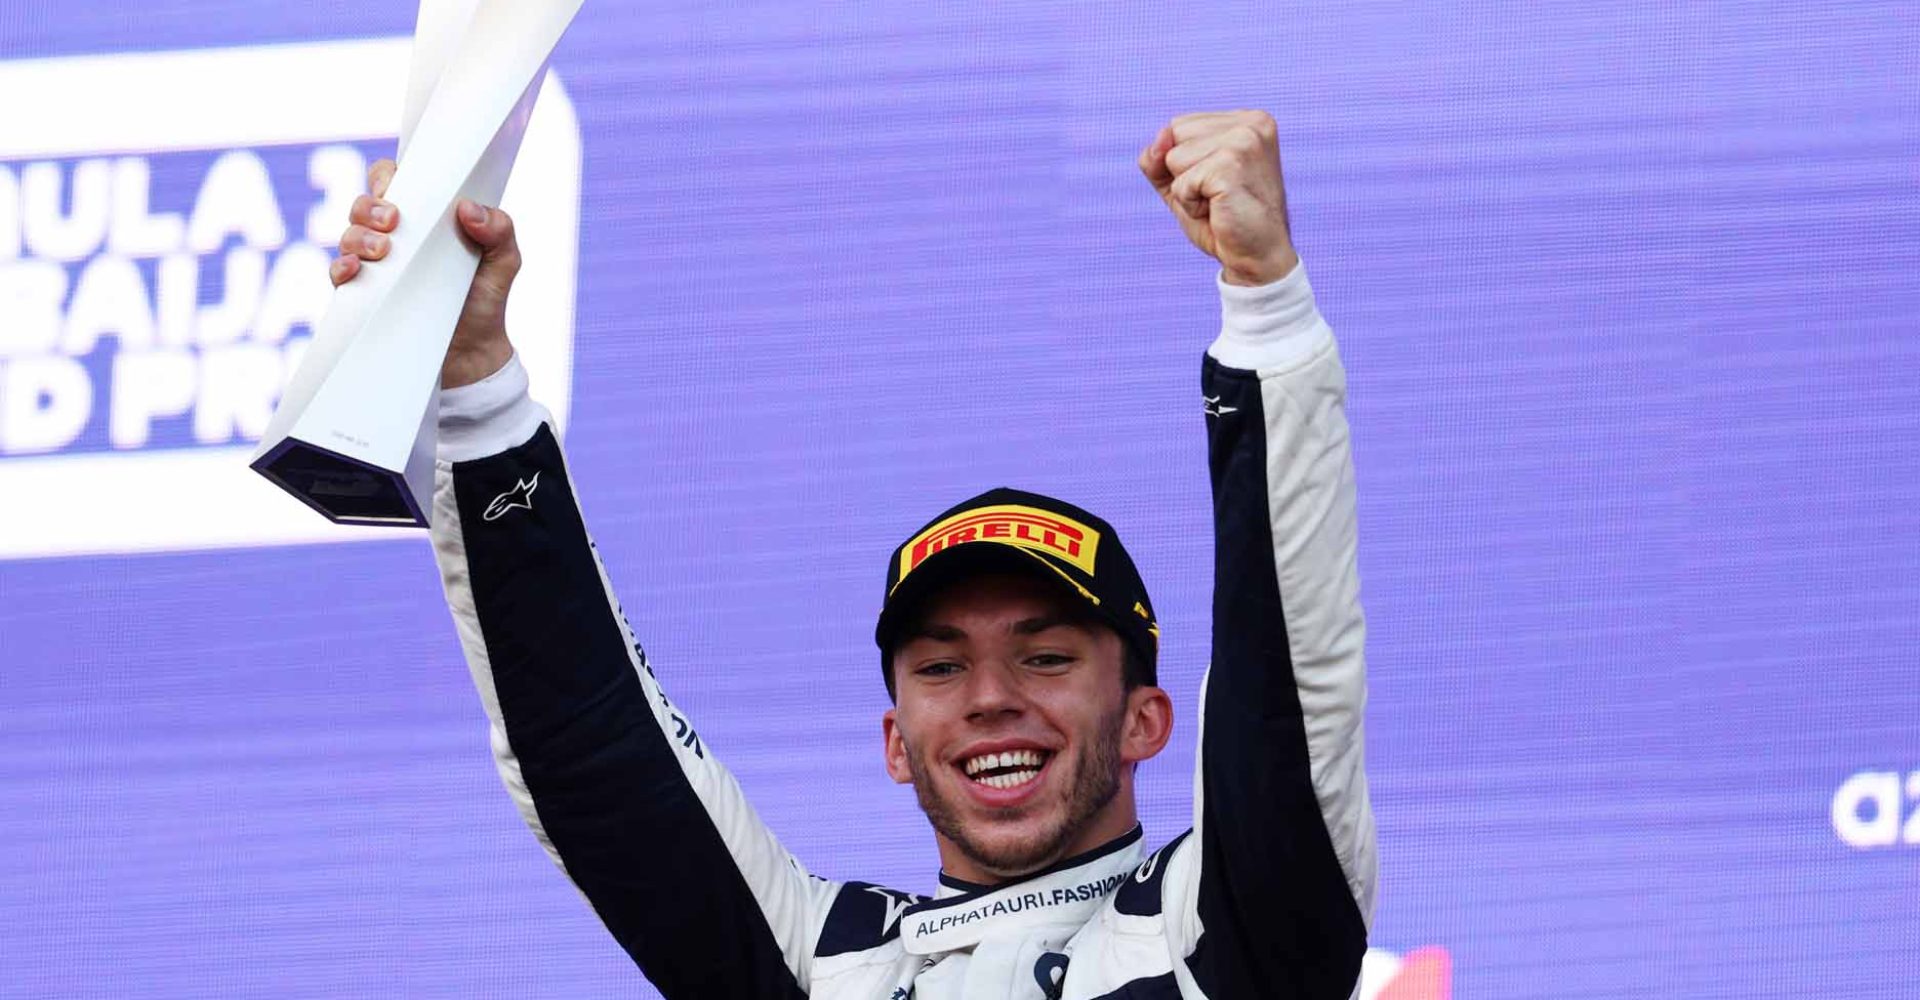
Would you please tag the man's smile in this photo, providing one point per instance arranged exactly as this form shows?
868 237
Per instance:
1005 777
1006 769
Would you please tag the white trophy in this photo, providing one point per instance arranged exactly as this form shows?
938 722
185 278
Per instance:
354 434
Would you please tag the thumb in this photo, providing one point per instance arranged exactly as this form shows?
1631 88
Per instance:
492 231
488 227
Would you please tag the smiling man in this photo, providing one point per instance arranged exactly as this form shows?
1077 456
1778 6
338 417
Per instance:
1022 699
1021 649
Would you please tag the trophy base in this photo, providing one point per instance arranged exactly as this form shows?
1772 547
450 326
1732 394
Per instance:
343 490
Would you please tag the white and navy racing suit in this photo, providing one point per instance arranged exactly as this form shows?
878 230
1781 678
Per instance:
1268 895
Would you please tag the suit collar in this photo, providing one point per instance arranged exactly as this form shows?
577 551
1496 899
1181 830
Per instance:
1065 894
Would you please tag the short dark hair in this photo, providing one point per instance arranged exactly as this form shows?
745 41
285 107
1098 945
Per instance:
1135 669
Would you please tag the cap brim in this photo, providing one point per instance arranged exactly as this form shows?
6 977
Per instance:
959 562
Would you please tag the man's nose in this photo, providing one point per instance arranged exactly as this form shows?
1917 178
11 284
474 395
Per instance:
992 691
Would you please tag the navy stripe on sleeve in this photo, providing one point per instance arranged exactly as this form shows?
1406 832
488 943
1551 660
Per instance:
604 779
1279 919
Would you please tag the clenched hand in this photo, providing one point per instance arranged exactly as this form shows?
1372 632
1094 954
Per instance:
479 346
1219 171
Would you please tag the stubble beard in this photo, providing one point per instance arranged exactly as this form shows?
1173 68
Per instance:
1093 784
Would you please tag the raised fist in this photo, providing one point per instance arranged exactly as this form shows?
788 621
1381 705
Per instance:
1219 171
479 346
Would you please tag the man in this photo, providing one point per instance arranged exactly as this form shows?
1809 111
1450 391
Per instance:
1020 647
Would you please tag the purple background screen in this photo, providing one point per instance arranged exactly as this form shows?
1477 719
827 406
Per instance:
1627 296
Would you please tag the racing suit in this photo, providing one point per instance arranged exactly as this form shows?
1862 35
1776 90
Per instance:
1269 894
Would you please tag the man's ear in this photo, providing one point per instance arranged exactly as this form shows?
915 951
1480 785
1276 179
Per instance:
1149 724
896 749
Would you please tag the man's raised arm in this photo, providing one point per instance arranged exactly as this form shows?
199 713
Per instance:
612 778
1276 899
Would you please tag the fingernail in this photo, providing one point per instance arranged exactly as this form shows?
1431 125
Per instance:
474 212
382 214
377 243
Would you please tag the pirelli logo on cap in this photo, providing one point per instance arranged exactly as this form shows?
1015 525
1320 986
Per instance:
1009 524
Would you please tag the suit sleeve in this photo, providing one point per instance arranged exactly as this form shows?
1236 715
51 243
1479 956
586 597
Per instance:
1281 873
613 779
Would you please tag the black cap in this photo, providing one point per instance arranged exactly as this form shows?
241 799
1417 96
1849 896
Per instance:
1012 530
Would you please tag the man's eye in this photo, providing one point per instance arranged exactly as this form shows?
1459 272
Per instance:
941 669
1049 660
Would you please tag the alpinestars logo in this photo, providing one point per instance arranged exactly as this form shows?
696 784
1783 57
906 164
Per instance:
520 496
166 223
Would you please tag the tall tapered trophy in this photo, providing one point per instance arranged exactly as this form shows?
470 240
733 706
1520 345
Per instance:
354 433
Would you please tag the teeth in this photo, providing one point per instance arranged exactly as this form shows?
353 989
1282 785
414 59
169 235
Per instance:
1029 761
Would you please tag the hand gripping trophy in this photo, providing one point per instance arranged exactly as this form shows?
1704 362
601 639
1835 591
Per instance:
353 436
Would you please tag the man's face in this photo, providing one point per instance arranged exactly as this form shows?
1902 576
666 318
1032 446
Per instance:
1014 726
